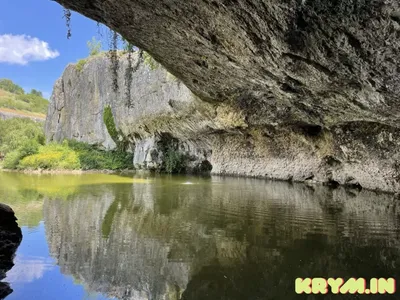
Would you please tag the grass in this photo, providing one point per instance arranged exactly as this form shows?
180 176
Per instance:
52 156
23 102
18 134
92 158
150 61
80 64
22 147
23 113
70 155
115 134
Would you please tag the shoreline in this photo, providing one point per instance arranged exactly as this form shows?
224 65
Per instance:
68 172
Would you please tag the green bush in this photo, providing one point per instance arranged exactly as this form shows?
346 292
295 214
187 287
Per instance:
15 133
108 120
52 156
92 158
22 146
80 64
12 159
27 102
115 134
9 86
150 61
35 103
175 162
28 148
94 46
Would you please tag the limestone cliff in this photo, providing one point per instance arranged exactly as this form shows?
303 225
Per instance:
159 111
312 87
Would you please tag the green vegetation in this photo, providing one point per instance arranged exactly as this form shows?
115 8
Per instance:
126 46
150 61
36 93
80 64
70 155
22 146
19 138
26 193
115 134
175 162
94 46
52 156
13 96
9 86
92 158
108 120
171 77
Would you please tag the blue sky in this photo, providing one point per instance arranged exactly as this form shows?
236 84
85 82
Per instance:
24 26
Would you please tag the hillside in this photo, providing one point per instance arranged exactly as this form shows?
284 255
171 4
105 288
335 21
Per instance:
14 102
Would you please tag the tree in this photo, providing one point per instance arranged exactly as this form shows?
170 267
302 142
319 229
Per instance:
94 46
36 93
8 85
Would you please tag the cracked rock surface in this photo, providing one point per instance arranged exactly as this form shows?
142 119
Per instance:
322 74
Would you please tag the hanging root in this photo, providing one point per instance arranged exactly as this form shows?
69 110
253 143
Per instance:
113 54
67 16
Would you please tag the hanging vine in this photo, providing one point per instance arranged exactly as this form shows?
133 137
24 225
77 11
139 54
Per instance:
113 55
67 16
128 74
130 49
99 32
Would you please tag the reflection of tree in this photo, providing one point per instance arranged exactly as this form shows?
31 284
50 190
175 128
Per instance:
25 192
235 239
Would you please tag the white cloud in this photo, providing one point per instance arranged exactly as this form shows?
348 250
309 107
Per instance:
28 269
21 49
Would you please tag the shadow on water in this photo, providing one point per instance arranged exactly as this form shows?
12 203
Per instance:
219 238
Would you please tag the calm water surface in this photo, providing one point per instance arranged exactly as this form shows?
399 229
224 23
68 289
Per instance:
114 237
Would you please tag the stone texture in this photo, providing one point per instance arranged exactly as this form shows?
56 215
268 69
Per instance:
281 76
319 62
158 111
219 237
10 238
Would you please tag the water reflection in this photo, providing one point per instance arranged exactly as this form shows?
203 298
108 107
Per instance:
29 269
219 238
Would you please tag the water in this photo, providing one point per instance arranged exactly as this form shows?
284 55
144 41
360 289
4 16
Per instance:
114 237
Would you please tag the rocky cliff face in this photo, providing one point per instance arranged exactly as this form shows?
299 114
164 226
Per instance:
156 113
161 112
312 86
10 238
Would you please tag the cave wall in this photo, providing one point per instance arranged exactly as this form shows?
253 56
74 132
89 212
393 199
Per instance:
160 112
301 90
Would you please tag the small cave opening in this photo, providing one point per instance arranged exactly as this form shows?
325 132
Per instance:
205 166
333 184
307 129
311 130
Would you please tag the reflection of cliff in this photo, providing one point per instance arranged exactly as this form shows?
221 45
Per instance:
219 238
113 261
